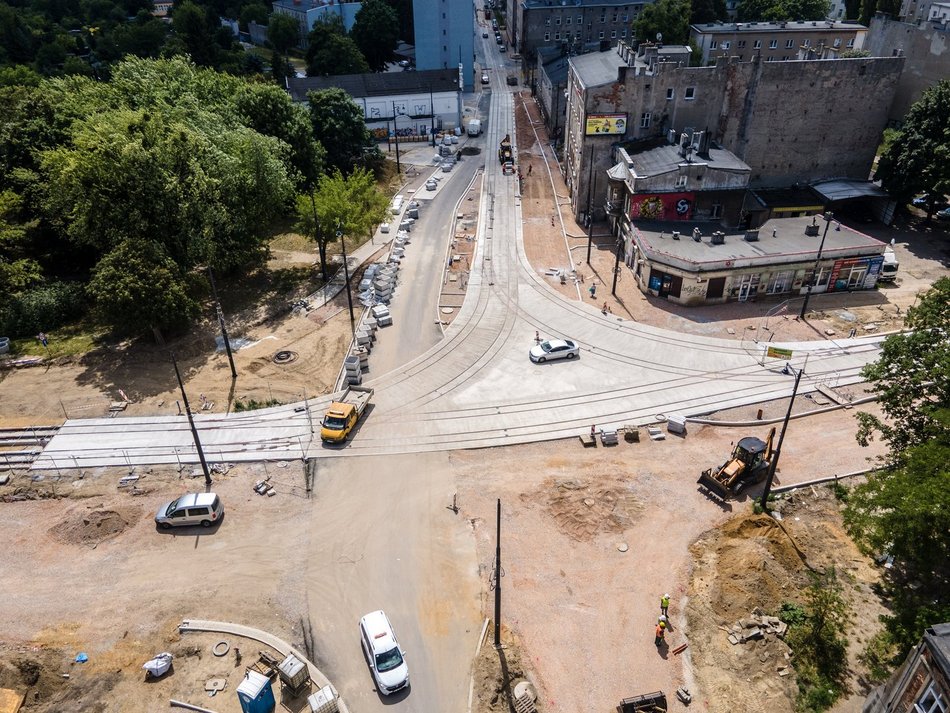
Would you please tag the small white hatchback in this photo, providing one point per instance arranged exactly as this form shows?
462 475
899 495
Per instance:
386 660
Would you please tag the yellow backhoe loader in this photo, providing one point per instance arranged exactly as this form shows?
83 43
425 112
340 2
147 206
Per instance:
748 465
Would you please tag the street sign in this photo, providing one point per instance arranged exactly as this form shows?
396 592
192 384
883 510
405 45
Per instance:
776 353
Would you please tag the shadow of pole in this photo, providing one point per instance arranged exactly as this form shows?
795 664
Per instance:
506 679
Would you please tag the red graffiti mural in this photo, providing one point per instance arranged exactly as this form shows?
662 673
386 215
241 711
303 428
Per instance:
662 206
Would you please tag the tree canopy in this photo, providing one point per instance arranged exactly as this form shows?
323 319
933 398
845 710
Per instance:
776 10
282 32
903 510
330 51
918 159
338 124
669 18
376 33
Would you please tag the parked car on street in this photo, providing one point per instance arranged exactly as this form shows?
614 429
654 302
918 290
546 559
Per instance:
431 185
485 79
554 349
923 202
943 214
203 509
387 660
484 35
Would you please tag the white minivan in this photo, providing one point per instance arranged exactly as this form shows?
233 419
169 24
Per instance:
386 659
203 509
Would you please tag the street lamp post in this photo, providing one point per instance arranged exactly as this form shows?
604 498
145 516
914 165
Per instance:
828 216
224 329
431 116
613 289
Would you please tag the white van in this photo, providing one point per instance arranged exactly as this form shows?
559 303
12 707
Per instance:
203 509
386 659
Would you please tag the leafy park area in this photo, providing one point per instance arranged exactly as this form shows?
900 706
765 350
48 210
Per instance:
120 199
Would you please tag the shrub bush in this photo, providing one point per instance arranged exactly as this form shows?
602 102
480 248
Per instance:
42 309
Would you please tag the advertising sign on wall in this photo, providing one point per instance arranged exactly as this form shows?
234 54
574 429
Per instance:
662 206
605 124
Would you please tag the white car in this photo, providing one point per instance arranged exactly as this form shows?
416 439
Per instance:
431 185
554 349
386 659
485 79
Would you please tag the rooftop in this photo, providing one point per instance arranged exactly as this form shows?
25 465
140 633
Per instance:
304 5
597 68
385 84
780 241
787 197
730 28
938 640
667 159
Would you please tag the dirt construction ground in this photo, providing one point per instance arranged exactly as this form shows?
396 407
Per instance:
591 537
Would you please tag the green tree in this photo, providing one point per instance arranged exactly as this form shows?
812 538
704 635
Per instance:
137 286
194 28
283 32
339 126
819 645
269 110
669 18
904 509
777 10
350 204
330 52
918 161
911 378
18 270
404 11
376 33
253 12
703 11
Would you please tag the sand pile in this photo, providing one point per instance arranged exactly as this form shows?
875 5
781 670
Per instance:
582 509
90 527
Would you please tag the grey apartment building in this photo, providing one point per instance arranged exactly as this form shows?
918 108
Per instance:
777 41
575 25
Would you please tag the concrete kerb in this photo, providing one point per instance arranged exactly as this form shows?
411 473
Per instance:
448 243
821 481
779 419
279 645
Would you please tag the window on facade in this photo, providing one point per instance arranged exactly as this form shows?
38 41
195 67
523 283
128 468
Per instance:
769 58
681 181
557 21
690 93
837 42
851 42
626 17
780 282
557 35
773 44
645 120
567 20
547 36
623 33
789 44
740 44
670 93
805 43
757 44
603 16
726 45
714 44
715 211
580 19
785 58
614 17
548 21
600 34
613 34
443 15
931 702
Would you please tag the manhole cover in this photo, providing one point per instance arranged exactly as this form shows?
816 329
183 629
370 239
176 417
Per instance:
285 357
448 310
623 547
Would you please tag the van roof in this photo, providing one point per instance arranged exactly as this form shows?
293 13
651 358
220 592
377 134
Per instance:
379 631
197 499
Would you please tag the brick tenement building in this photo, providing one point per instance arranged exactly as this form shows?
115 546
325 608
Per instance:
922 683
790 122
776 41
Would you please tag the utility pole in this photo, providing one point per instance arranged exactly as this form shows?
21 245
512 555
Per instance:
613 289
432 118
346 275
224 329
590 218
814 278
498 575
773 465
396 136
191 422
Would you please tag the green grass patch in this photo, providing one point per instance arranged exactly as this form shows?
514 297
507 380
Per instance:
293 241
254 404
70 340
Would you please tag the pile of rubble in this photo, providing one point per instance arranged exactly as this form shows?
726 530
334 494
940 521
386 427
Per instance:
757 626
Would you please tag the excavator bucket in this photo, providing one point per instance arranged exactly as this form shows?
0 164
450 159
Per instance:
708 481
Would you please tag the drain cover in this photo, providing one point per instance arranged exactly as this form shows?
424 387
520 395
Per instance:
285 357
